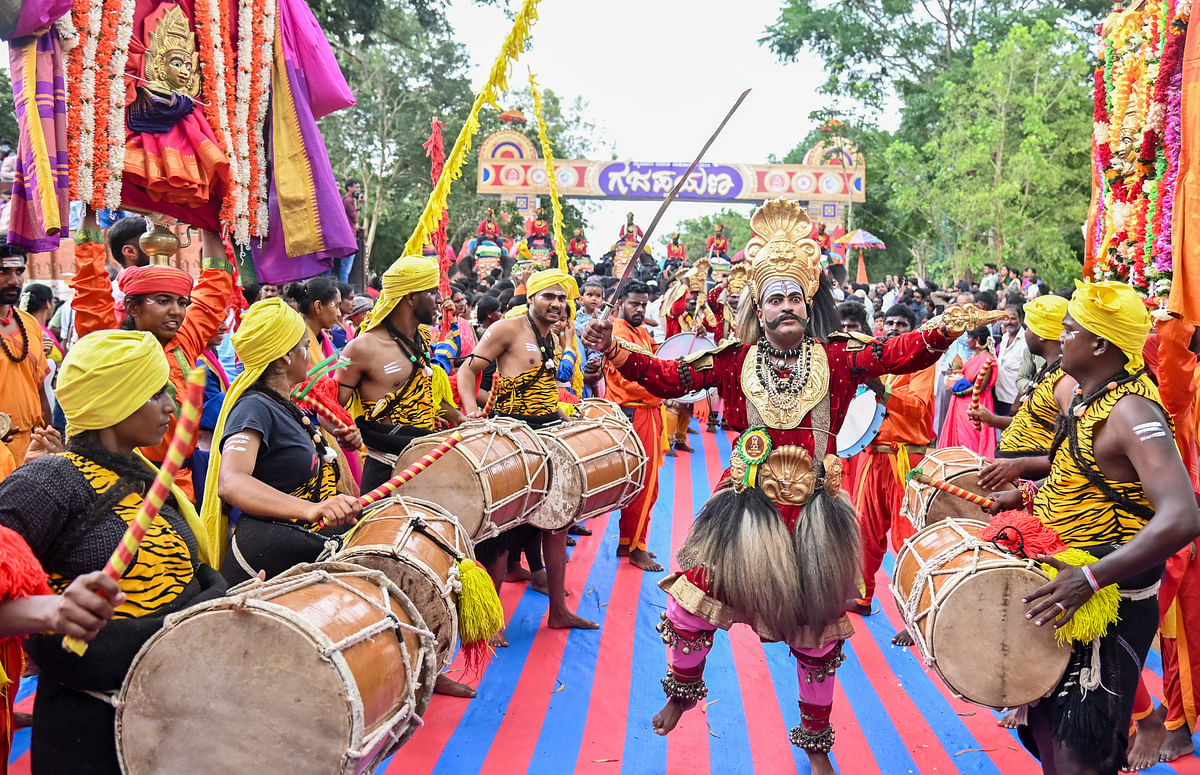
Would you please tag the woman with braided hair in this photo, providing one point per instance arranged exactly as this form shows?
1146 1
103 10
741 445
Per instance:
72 508
1118 489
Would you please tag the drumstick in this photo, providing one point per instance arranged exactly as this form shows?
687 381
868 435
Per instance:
185 432
391 485
938 484
318 406
977 388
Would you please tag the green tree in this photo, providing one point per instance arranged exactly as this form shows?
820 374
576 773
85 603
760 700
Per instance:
694 232
1006 180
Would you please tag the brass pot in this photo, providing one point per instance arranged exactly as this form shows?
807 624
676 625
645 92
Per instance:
160 243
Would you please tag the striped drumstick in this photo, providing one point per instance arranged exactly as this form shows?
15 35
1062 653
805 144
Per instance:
317 405
391 485
181 442
980 380
938 484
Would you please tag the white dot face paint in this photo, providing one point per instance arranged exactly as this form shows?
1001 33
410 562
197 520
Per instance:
391 368
1150 430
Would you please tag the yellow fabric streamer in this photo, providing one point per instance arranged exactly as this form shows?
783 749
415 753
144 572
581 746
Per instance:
497 83
551 177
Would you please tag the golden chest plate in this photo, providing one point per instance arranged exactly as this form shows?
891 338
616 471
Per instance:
784 411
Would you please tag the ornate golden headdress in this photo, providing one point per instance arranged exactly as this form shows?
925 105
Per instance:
171 40
738 276
781 248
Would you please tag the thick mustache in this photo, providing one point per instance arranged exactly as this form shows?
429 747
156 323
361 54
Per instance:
774 324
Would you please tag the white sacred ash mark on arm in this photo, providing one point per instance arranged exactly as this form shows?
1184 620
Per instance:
1150 430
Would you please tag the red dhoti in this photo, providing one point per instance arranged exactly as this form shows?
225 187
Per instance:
878 495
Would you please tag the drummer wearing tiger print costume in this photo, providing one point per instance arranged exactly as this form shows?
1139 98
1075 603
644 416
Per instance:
775 546
1118 489
524 388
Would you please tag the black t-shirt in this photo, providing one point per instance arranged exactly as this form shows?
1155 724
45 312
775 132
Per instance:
287 458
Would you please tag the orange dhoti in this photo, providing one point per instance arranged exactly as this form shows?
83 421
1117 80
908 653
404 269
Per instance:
635 518
1180 597
878 494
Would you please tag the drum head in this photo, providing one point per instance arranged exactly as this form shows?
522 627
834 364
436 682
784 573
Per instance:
984 647
943 505
682 346
863 420
566 482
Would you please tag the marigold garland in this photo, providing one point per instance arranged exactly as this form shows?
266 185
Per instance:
551 175
1136 116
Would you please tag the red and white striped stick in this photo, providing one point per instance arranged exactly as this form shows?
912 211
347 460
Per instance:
938 484
181 442
318 406
391 485
980 380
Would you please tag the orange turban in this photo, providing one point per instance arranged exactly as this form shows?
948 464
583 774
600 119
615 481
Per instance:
146 280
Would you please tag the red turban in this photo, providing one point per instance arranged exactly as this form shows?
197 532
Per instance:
146 280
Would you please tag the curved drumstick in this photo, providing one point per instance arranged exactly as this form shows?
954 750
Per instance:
980 380
185 432
391 485
938 484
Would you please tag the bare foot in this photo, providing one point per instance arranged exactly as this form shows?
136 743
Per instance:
671 452
1178 743
820 765
579 530
640 558
1146 743
498 641
565 620
623 551
860 607
902 638
517 573
451 688
666 719
682 446
1008 720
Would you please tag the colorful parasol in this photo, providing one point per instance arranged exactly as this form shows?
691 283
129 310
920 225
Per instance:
863 240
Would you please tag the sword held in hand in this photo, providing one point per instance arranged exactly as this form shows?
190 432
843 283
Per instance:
637 253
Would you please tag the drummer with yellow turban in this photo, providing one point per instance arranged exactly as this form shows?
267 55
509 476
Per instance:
1117 489
270 462
73 507
390 372
525 388
1026 436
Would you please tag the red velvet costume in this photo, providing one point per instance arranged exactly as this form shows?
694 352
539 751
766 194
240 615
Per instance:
489 229
717 244
577 247
539 227
677 250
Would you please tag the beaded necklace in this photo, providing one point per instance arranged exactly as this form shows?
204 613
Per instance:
24 338
415 354
783 392
545 345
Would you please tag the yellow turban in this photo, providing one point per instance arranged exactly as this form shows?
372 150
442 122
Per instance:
517 311
1115 312
108 376
547 278
269 331
409 274
1044 316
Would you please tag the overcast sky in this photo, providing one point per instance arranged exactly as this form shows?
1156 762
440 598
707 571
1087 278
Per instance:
658 75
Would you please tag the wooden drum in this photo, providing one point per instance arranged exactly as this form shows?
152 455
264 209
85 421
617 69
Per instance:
925 505
596 466
389 539
961 601
492 481
597 408
326 668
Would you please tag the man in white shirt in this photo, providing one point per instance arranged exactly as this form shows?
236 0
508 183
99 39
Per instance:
1010 352
991 277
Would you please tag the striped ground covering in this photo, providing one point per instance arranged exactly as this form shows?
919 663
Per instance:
581 701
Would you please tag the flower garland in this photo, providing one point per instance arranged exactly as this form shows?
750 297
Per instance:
216 52
260 94
1136 136
116 110
241 120
105 42
551 175
79 96
496 83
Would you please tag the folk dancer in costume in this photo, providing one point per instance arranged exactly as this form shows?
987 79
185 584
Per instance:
488 231
158 299
676 252
524 388
723 301
538 230
270 461
577 247
957 429
884 465
681 318
73 508
390 372
23 365
630 231
644 410
775 547
718 243
1118 489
